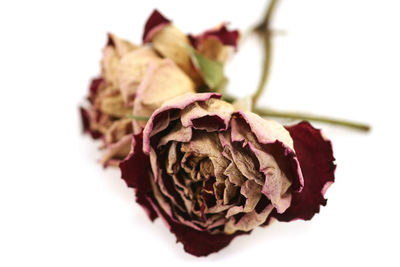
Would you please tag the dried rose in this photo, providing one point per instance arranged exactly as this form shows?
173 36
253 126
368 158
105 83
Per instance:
126 71
136 80
213 173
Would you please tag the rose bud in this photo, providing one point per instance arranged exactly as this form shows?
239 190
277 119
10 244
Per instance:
213 173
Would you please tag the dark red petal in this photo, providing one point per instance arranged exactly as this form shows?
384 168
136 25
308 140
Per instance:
197 243
155 22
110 41
94 88
135 172
225 36
86 124
315 155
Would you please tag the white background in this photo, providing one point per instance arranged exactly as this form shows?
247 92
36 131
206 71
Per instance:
58 207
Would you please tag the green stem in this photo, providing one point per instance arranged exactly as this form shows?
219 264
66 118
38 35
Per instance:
264 29
303 116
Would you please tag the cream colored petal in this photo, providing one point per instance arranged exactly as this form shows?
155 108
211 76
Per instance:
234 175
243 161
276 183
122 46
230 192
252 191
114 106
118 150
167 81
109 65
132 68
213 49
171 162
118 129
211 107
178 133
248 221
170 42
205 144
266 131
162 82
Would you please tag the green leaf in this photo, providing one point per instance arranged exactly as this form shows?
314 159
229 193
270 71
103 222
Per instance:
138 118
211 71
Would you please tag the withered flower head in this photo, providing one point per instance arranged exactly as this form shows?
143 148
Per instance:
213 173
136 80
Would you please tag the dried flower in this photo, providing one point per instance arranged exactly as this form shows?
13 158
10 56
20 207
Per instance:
213 173
136 80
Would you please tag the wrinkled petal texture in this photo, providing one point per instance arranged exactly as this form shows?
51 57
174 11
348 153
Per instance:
135 172
215 173
315 154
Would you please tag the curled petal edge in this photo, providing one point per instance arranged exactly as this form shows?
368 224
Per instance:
134 171
315 154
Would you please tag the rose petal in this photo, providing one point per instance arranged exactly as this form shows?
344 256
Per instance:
273 139
161 116
135 172
114 105
86 124
195 242
118 150
155 22
316 159
94 88
163 80
170 42
211 115
121 46
221 33
117 131
131 70
249 221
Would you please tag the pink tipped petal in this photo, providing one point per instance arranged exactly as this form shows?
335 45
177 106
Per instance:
274 139
316 159
135 172
178 103
155 22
